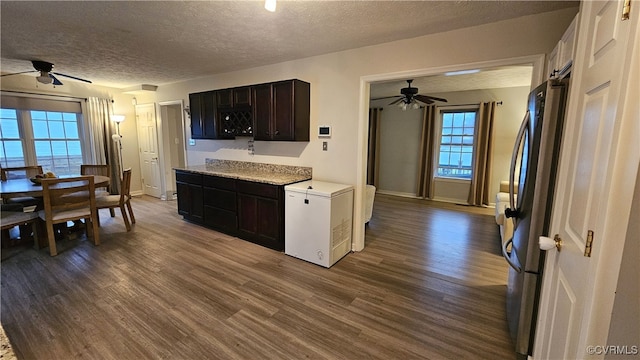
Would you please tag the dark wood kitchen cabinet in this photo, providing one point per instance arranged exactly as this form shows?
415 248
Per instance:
250 210
234 97
261 214
203 115
281 111
189 191
234 112
220 206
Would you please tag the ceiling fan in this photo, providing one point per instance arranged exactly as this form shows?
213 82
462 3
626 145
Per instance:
409 98
46 75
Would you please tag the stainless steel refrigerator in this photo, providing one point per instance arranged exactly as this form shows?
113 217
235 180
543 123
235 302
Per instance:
533 171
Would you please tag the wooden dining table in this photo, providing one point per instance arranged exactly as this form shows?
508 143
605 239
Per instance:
25 187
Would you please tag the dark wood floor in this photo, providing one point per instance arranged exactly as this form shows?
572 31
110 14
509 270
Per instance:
430 284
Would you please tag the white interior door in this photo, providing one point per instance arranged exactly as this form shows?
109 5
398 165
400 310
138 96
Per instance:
596 179
148 142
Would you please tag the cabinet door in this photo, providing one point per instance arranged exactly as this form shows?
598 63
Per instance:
259 221
283 120
197 208
209 115
184 199
195 105
190 201
261 109
242 96
224 98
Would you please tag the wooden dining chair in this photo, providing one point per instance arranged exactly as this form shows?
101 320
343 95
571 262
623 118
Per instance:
10 218
22 172
63 203
103 170
120 201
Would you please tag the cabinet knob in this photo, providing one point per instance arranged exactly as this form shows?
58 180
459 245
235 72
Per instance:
277 132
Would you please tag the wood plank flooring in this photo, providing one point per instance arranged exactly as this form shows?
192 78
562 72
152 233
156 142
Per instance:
430 284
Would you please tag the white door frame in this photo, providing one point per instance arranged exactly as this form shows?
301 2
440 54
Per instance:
537 77
161 145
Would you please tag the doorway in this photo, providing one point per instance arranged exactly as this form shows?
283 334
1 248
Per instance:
173 140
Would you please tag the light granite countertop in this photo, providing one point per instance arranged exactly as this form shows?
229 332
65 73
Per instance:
256 172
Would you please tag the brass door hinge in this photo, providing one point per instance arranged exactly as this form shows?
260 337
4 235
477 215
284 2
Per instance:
626 9
587 247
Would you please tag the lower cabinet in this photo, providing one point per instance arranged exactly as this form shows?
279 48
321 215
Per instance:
252 211
189 189
261 214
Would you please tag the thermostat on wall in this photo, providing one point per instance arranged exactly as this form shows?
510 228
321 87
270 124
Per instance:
324 131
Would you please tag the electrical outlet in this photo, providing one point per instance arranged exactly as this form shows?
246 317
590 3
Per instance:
324 146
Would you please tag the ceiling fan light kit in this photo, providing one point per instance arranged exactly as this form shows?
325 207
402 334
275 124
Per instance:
410 99
46 74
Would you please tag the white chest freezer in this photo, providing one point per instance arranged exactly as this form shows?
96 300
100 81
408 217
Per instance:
318 221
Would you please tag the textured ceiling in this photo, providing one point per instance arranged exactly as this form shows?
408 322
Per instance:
128 43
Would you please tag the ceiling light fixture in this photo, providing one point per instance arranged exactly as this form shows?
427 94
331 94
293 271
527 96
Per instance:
270 5
461 72
44 78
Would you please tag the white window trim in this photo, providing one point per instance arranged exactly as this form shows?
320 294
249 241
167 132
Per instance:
438 130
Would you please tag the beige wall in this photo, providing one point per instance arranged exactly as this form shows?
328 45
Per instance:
400 136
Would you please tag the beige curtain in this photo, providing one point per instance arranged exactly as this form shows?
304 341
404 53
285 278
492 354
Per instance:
104 150
425 158
373 159
481 175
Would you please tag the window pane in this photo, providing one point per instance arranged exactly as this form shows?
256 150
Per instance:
54 116
69 117
9 129
456 131
467 140
43 148
38 115
446 140
40 129
56 130
456 140
468 131
12 154
446 131
458 119
71 130
445 148
74 148
470 119
444 159
8 113
447 120
59 148
466 159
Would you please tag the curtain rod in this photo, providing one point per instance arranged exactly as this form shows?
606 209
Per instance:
52 95
47 95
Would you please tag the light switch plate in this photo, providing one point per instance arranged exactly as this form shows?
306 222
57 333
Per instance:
324 146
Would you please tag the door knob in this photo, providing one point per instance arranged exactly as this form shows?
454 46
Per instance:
547 243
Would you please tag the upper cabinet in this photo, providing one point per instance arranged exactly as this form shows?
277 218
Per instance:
277 111
281 111
203 115
561 58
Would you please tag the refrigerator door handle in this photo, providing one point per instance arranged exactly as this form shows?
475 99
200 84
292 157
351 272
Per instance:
512 211
506 256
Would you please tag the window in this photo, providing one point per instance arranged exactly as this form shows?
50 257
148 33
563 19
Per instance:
455 158
51 138
11 154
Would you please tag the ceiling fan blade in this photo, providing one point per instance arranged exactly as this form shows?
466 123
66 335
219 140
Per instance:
423 98
426 101
397 101
55 80
73 77
22 72
386 97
